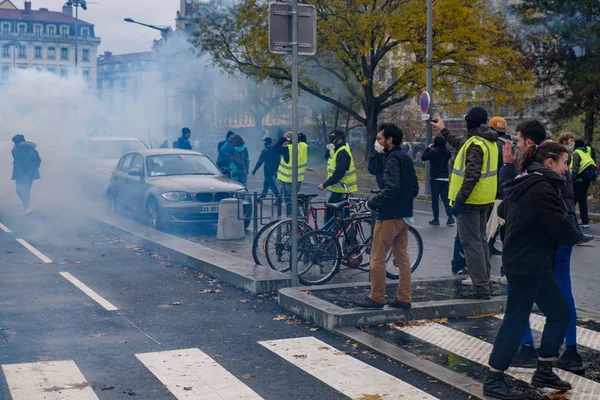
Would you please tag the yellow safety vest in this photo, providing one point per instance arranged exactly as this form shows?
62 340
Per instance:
485 190
586 160
284 173
349 177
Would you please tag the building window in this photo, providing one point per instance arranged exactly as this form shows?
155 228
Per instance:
51 53
52 70
124 83
86 55
86 76
64 31
64 53
38 30
21 30
5 71
51 30
64 73
22 52
5 29
6 51
38 52
85 33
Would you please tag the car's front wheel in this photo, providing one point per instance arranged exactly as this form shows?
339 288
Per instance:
153 218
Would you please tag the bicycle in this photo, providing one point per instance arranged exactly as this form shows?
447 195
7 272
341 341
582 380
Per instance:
309 217
317 248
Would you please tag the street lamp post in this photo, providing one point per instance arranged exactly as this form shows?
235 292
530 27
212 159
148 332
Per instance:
83 5
165 34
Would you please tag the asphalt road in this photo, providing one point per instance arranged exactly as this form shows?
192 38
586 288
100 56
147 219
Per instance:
85 315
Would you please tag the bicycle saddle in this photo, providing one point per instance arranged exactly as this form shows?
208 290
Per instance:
305 196
338 206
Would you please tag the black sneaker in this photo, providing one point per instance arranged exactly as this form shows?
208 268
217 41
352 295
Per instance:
497 386
450 221
526 357
585 239
471 294
368 303
570 361
399 304
462 271
544 377
434 222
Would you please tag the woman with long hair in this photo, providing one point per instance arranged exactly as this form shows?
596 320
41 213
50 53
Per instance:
536 223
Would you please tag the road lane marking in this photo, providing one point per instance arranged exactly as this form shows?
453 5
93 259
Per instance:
479 352
342 372
4 228
95 296
585 337
191 374
35 251
52 380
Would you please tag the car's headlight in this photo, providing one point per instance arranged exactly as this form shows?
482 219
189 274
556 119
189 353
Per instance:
176 196
240 193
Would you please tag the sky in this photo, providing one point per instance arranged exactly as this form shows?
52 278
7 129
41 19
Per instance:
107 16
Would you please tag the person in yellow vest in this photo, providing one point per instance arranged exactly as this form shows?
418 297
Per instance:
473 187
584 172
340 170
284 173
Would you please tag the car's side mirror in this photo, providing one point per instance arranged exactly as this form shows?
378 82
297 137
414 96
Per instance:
134 172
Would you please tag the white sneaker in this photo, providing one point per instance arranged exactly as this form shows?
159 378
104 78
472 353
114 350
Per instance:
27 211
501 280
467 282
585 225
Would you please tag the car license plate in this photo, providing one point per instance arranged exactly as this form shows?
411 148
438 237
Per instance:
209 209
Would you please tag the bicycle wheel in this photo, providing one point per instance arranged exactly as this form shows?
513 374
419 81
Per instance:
258 244
415 253
357 246
278 244
319 257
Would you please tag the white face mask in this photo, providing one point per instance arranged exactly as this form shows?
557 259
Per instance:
378 148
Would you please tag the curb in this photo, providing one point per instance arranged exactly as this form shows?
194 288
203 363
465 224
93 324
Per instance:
226 268
458 381
331 317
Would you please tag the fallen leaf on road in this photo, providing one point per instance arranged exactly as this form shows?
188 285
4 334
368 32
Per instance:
432 381
244 301
261 327
367 329
339 353
280 317
481 316
44 358
314 329
211 291
97 335
324 348
129 392
371 397
164 306
587 320
246 376
107 388
439 320
188 388
300 356
177 303
558 395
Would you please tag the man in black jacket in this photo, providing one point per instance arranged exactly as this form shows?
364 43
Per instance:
184 140
26 164
377 164
438 156
394 204
271 160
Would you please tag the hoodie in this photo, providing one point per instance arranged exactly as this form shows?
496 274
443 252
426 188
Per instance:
536 222
438 157
474 161
26 162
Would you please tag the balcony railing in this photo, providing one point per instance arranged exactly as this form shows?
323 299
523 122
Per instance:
43 36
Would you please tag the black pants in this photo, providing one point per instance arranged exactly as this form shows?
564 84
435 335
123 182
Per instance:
440 189
581 194
334 198
270 184
524 291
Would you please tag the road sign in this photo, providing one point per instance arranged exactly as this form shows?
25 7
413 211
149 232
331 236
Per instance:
280 29
425 117
424 102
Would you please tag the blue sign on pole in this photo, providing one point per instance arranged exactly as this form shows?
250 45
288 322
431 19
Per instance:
424 102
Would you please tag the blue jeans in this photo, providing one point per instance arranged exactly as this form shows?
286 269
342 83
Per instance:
562 275
240 175
287 194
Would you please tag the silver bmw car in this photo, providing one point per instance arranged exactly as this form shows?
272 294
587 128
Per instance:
172 186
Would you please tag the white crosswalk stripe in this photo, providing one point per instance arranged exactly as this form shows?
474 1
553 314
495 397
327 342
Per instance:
344 373
479 351
55 380
585 337
191 374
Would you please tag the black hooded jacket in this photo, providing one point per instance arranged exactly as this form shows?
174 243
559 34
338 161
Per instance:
26 164
438 156
536 222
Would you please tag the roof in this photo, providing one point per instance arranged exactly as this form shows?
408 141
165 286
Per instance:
156 152
42 15
113 139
